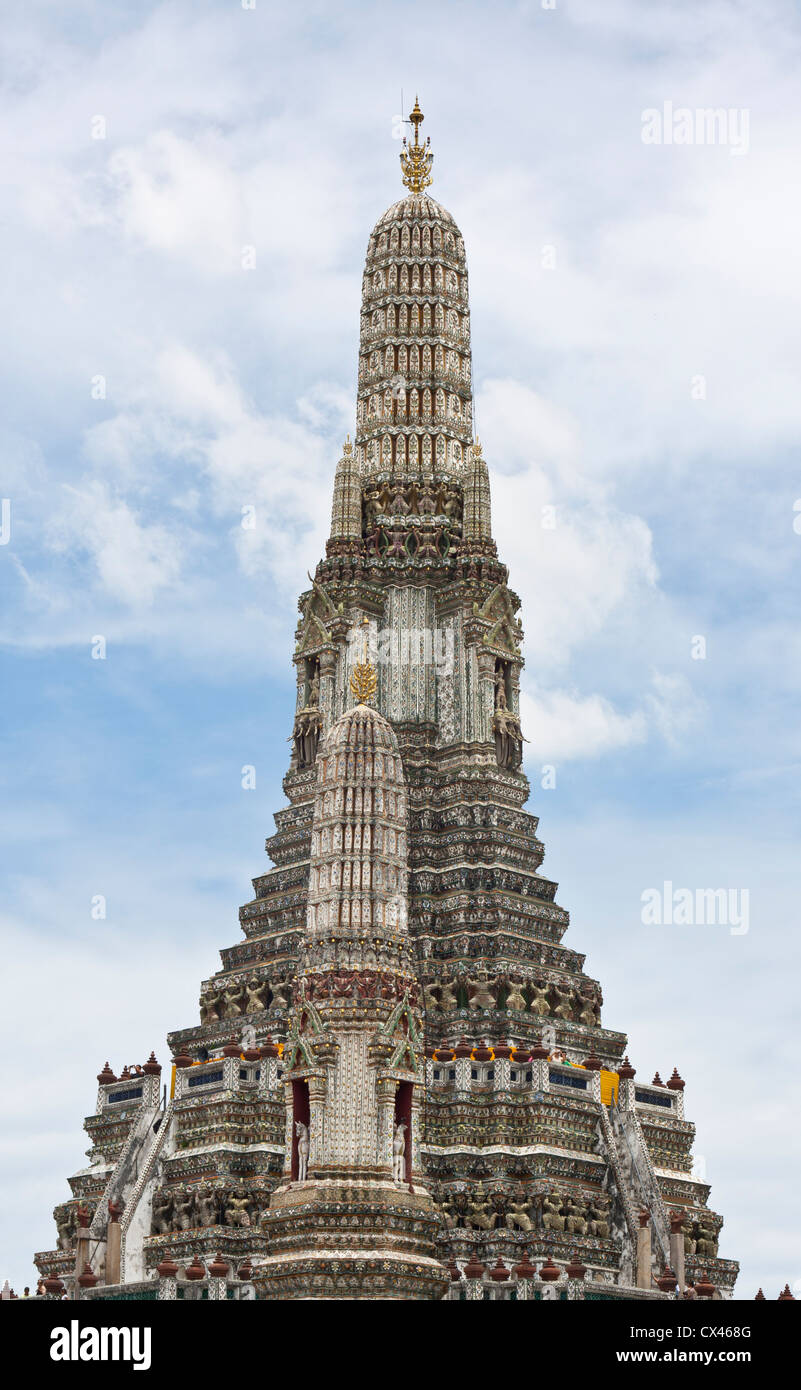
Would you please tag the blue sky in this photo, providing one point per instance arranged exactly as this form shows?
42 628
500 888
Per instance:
607 277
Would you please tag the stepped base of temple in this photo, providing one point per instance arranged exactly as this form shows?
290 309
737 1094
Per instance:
357 1240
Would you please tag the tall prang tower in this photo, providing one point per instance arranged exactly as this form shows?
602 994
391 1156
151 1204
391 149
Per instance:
403 966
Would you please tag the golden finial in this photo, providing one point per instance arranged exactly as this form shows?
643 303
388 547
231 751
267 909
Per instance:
416 159
364 681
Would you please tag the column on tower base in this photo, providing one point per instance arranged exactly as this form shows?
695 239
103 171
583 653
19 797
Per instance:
348 1239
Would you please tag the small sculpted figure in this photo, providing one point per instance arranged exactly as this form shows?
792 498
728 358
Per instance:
589 1012
689 1240
552 1218
515 999
539 999
706 1245
162 1213
481 1216
183 1211
302 1132
598 1212
237 1208
234 1000
399 1152
481 993
257 991
576 1218
518 1216
208 1207
565 1006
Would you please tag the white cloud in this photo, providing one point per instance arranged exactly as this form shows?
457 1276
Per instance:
573 555
134 561
561 725
182 197
672 705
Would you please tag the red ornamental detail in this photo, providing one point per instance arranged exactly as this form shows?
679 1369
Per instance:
525 1270
218 1268
361 984
167 1269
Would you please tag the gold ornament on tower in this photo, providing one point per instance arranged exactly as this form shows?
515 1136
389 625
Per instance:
416 159
364 681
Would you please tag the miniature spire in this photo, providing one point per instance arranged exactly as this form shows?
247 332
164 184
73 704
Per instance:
477 508
346 508
416 160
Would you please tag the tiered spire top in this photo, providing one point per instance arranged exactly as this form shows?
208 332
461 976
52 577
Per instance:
415 396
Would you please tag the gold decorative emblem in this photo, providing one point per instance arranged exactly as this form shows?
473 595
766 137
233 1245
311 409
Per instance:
364 681
416 159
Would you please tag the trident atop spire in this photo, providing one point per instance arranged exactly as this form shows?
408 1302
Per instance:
416 159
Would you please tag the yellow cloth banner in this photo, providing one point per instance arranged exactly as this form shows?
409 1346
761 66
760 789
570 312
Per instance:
609 1084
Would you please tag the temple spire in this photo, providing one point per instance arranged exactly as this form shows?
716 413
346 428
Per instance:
416 159
346 508
415 409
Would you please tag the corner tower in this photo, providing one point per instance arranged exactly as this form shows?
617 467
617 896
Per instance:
352 1218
